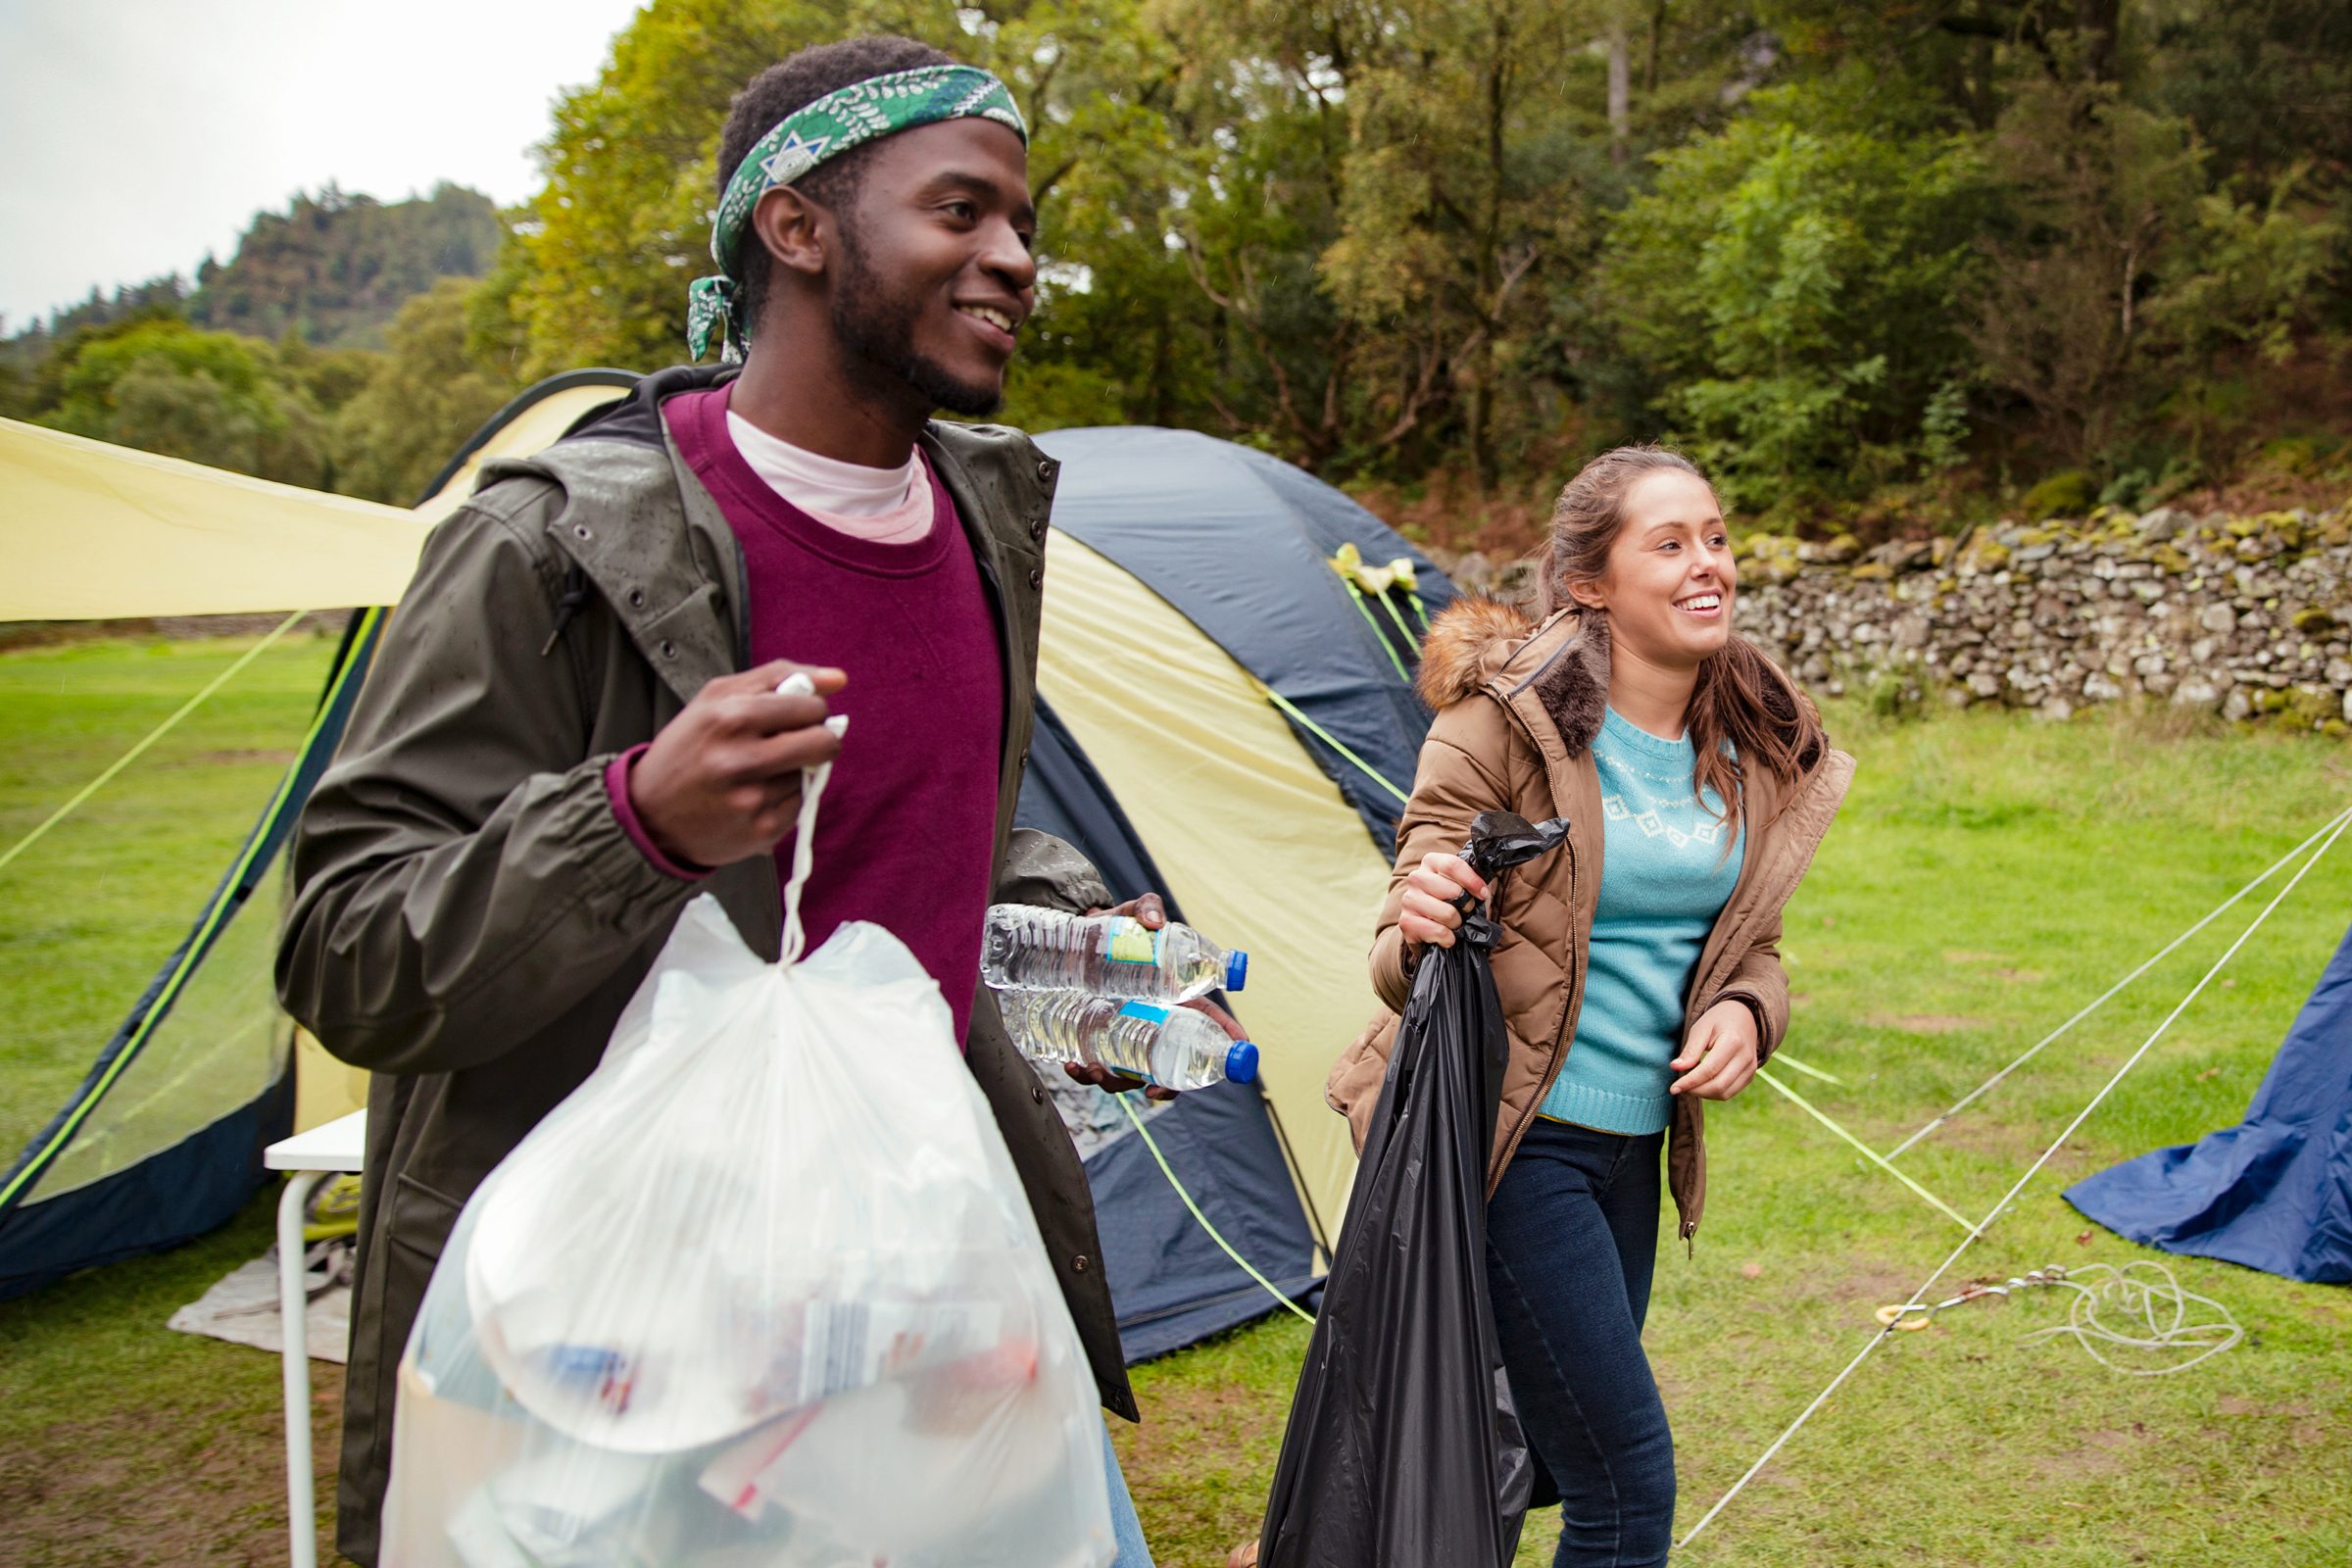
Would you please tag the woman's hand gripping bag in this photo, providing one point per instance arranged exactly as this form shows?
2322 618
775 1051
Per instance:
765 1290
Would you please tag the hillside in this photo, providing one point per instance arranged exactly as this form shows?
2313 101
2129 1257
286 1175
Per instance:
336 266
339 267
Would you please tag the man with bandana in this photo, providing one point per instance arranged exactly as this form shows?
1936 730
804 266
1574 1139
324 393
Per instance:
573 727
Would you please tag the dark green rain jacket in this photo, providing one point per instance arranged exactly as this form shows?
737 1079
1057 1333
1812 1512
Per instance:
468 917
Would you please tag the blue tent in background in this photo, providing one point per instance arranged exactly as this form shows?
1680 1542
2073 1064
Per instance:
2273 1192
1242 547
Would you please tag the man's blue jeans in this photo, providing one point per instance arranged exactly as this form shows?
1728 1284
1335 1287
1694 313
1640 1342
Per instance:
1572 1235
1125 1528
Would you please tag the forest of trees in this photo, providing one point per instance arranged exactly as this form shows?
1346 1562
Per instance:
1888 266
321 354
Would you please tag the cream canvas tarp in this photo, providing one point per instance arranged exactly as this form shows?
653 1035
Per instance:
99 533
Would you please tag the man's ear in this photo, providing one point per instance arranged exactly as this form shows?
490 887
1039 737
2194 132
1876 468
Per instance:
796 232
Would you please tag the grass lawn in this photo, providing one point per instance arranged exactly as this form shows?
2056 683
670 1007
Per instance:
89 912
119 1440
1990 875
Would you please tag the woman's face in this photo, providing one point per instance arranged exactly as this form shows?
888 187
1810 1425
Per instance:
1669 580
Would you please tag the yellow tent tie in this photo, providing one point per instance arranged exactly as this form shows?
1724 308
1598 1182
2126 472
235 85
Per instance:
1350 563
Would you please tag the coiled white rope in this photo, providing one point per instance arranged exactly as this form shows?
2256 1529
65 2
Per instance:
2144 1290
2131 1289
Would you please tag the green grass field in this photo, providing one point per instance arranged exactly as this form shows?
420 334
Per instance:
1989 877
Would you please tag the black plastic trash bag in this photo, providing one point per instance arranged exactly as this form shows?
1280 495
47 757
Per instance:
1401 1452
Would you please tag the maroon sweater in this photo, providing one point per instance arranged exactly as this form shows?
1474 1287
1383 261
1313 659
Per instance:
905 836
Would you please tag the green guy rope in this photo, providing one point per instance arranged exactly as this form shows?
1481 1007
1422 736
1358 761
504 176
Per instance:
1781 1058
1378 636
1869 1154
1327 739
1303 1315
1406 632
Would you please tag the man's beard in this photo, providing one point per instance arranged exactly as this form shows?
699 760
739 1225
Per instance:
879 330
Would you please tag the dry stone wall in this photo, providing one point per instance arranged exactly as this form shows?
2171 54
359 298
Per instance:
2250 618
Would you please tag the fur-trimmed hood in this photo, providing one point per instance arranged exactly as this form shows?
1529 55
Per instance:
1474 642
1469 642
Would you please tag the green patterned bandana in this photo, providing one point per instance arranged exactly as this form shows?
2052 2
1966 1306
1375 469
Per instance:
862 111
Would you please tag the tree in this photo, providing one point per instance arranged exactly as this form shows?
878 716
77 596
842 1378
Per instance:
419 402
335 267
623 223
2100 197
1460 188
158 383
1791 284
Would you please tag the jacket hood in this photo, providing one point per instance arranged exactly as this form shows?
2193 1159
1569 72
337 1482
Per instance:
637 417
1480 645
1466 646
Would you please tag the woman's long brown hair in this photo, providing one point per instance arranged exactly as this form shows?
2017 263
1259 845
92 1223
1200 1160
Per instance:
1740 697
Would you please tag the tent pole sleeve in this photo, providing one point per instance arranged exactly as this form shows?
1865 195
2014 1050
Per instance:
1356 595
1327 739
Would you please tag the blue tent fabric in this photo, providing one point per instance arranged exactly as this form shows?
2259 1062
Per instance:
1170 1283
193 1186
2273 1192
1239 542
1062 795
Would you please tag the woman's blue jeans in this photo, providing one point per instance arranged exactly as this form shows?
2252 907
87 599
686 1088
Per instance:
1572 1235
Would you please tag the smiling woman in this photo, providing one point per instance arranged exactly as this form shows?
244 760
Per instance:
1640 971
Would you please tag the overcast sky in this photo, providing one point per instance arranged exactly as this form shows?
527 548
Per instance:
140 135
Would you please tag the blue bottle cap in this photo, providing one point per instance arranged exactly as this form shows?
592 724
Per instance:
1237 969
1240 1063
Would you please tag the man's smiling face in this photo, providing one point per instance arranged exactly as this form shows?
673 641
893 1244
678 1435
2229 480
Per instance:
935 274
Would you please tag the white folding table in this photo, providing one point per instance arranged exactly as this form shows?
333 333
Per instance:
335 1149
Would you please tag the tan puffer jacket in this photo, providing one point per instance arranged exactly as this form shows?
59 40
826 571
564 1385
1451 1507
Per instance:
1518 706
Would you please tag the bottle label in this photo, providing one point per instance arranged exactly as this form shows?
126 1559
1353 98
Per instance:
1151 1012
1132 942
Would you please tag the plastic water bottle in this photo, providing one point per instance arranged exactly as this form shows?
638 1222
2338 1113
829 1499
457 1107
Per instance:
1109 954
1155 1040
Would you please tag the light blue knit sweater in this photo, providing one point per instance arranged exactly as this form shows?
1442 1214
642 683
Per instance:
1664 878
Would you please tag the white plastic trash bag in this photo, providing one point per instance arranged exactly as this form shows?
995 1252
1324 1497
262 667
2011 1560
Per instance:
765 1290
